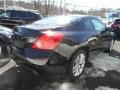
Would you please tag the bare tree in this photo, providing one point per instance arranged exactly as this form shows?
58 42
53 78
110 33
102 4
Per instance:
35 4
53 2
47 5
61 6
9 2
19 3
38 6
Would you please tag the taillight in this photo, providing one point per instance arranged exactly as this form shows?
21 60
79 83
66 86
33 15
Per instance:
49 40
114 25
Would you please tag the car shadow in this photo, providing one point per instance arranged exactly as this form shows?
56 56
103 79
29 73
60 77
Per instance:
21 78
111 80
93 78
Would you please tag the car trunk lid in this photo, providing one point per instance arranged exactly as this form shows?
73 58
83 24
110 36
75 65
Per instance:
29 34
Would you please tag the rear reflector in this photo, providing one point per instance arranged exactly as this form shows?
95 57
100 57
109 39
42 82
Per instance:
49 40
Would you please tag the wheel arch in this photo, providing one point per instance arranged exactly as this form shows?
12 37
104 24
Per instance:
86 48
3 39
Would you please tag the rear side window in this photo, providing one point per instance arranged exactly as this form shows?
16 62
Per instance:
17 14
26 15
22 14
88 25
98 25
29 14
32 15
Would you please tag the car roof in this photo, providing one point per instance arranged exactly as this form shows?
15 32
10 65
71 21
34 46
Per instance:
32 11
79 15
76 15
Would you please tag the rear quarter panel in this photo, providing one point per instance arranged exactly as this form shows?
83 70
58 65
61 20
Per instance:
75 38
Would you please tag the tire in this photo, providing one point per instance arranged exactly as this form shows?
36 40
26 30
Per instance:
77 65
3 51
110 47
4 59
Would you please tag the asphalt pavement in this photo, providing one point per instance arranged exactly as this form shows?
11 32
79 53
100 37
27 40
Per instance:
101 73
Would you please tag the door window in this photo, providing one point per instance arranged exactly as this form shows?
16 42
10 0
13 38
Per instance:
98 25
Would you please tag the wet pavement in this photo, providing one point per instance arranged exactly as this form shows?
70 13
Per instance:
101 73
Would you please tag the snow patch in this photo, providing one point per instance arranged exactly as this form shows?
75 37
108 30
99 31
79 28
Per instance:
105 88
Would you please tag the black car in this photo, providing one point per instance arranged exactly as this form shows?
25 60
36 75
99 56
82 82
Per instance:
60 41
116 27
11 18
5 35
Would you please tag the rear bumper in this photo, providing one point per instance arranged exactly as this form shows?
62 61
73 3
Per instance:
21 57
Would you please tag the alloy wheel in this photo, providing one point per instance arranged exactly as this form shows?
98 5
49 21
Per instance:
79 64
111 45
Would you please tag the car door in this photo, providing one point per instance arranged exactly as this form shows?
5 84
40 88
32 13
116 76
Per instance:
91 33
104 36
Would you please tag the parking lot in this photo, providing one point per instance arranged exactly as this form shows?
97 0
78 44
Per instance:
50 32
102 73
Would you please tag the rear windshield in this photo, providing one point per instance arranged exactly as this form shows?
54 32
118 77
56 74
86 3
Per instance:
117 21
57 20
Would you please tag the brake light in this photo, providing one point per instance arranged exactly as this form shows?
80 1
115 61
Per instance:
49 40
114 25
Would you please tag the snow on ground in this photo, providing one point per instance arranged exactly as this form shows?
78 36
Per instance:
105 88
102 73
